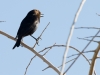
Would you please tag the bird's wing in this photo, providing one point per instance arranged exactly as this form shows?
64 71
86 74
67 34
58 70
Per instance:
25 24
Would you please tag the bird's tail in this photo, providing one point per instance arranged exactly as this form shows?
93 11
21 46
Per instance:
17 42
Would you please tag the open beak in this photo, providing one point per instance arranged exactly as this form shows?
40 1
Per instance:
42 15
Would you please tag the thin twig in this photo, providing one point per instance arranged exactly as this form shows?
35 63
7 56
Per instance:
78 53
2 21
46 68
29 65
68 61
41 34
91 36
48 50
98 14
52 46
88 40
87 28
70 35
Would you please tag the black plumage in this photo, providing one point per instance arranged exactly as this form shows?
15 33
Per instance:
28 25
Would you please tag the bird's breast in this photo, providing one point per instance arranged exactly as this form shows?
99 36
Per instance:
34 27
36 23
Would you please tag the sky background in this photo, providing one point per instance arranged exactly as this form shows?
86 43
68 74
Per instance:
60 14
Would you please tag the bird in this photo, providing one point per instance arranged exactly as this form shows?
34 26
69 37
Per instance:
28 26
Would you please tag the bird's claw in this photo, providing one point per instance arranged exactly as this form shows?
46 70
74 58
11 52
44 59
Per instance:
37 40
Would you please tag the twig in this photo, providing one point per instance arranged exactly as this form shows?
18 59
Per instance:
70 35
91 36
98 14
48 50
2 21
88 40
68 61
41 34
29 65
87 28
46 68
78 53
52 46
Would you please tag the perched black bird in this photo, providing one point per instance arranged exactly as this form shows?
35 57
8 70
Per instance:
28 25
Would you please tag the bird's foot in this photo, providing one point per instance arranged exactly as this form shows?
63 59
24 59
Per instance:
37 40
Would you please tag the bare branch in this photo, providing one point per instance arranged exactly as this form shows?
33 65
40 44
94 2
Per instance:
94 60
33 50
52 46
88 40
92 36
87 28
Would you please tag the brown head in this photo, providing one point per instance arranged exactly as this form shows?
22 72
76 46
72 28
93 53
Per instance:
35 14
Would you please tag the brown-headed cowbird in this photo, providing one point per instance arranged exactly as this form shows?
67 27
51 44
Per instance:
28 25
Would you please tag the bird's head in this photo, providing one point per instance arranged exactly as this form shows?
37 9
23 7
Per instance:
35 14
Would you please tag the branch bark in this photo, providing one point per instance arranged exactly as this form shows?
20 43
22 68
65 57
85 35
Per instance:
91 72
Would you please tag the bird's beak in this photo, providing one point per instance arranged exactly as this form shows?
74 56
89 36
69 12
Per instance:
42 15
